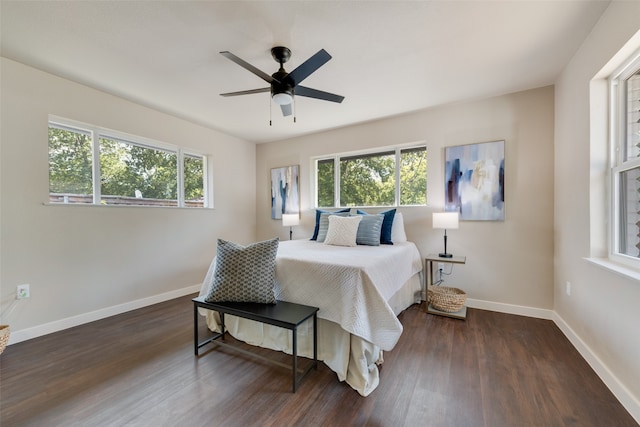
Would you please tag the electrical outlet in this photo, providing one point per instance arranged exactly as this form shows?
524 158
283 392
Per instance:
441 266
23 292
568 288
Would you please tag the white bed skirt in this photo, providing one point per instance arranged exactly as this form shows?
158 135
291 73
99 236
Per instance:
352 358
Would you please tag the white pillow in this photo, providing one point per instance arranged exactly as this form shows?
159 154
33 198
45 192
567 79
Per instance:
323 226
342 230
397 229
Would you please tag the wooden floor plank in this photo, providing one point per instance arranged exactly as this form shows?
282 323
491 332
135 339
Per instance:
138 369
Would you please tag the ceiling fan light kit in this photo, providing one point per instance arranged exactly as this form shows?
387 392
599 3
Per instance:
284 85
282 98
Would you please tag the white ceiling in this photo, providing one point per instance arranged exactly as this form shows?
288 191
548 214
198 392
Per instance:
389 57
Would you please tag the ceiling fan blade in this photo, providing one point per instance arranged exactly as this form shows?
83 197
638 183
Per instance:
244 64
247 92
286 109
318 94
305 69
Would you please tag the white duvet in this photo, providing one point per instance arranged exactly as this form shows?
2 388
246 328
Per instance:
350 285
359 291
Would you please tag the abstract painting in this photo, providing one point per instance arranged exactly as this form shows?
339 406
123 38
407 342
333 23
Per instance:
285 195
474 181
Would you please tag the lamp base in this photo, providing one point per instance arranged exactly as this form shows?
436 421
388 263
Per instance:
445 255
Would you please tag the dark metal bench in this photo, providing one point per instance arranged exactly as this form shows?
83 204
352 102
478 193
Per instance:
283 314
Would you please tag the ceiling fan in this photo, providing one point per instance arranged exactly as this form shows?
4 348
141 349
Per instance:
284 86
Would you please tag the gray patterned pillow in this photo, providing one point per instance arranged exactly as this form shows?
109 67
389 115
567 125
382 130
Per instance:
244 273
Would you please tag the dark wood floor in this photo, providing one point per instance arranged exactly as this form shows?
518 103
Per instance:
138 369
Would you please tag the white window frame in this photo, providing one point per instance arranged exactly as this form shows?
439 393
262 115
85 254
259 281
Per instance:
617 151
96 133
336 171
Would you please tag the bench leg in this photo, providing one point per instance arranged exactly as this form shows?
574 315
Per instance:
315 341
195 329
294 333
196 338
222 325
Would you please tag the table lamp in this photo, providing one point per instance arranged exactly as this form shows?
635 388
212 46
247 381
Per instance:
445 220
289 220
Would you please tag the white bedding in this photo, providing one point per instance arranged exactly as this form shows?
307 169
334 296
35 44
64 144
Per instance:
350 285
359 291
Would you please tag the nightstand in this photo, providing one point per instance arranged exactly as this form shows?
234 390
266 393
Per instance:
455 259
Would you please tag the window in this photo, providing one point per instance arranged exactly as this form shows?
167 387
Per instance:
368 180
130 173
625 174
129 170
193 180
395 177
326 182
70 165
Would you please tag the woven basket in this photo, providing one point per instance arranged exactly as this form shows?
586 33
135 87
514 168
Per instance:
446 299
4 337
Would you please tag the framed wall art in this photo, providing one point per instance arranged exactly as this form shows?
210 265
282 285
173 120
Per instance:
474 181
285 191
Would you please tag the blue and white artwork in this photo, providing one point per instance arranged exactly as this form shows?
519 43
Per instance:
285 195
474 181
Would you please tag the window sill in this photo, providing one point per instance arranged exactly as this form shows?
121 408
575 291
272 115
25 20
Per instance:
93 205
620 269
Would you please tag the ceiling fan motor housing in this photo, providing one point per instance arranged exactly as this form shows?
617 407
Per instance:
281 85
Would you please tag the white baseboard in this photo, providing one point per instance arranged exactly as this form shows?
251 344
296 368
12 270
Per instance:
521 310
622 393
70 322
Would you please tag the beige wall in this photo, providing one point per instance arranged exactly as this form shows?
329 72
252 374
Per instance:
82 259
508 262
602 310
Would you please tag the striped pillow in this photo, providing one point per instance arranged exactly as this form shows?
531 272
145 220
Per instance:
369 230
387 224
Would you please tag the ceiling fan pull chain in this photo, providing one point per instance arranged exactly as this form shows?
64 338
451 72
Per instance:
270 116
294 109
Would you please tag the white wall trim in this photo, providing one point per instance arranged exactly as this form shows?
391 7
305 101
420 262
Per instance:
70 322
520 310
630 403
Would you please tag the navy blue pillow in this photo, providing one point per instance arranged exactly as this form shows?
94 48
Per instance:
320 212
387 223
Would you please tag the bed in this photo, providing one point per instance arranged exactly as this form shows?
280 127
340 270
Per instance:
360 291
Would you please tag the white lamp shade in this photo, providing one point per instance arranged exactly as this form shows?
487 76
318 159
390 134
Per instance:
289 220
446 220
